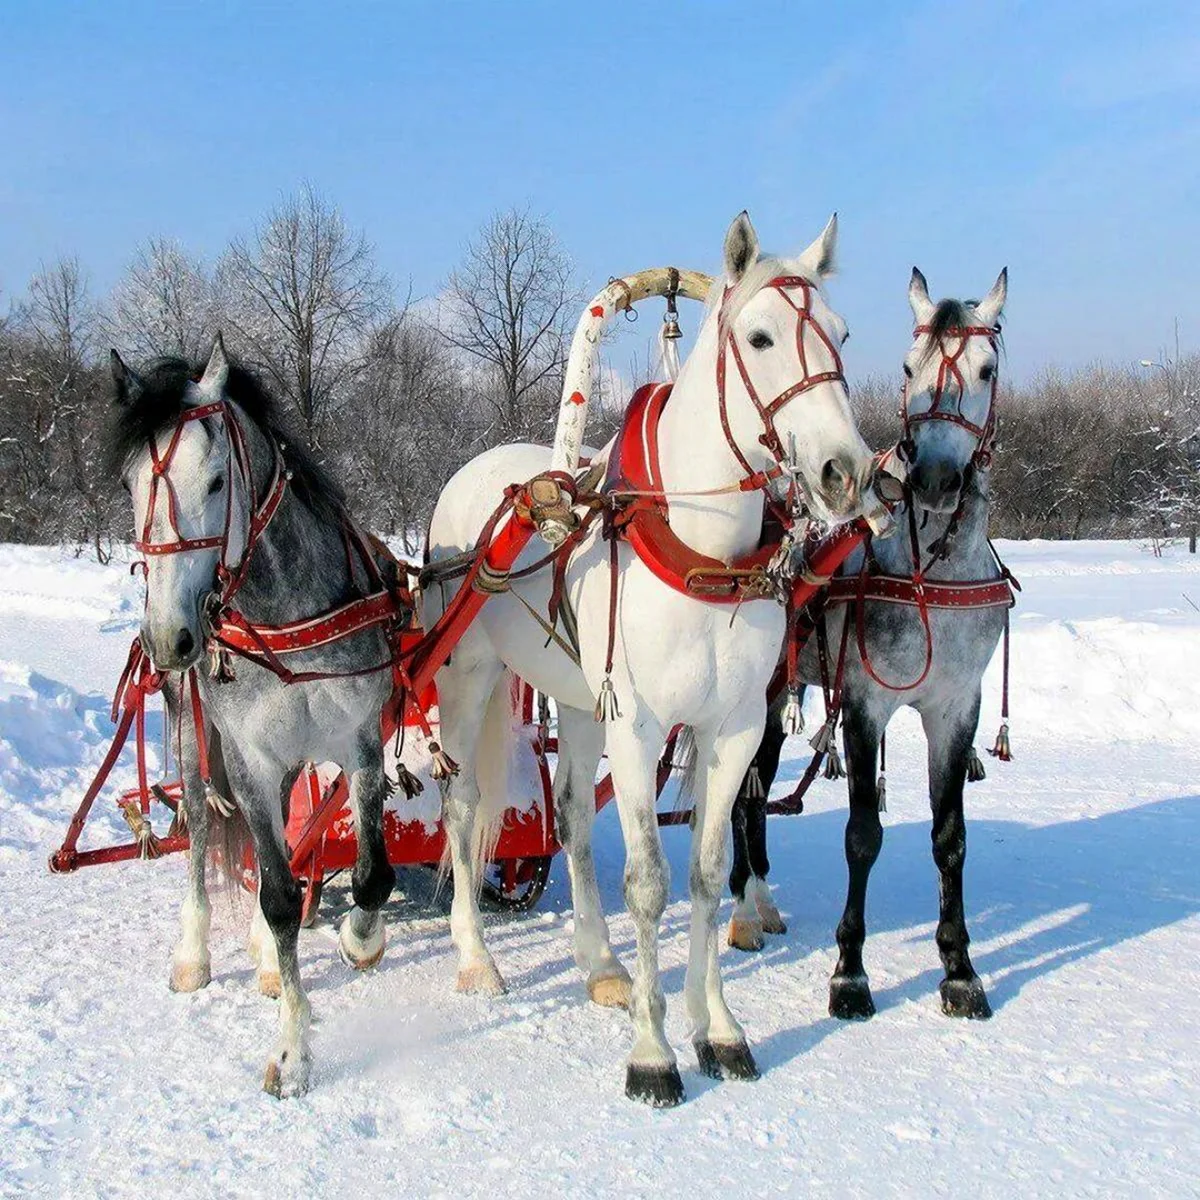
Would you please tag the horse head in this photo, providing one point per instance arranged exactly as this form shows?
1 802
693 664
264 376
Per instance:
950 375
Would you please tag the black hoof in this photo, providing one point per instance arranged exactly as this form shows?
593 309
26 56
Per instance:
727 1060
659 1087
965 998
850 998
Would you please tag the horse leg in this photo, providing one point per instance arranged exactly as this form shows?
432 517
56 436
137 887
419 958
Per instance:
362 935
463 697
279 899
260 945
652 1075
722 761
191 964
950 733
849 989
580 745
754 912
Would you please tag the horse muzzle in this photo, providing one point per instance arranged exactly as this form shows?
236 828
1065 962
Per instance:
175 648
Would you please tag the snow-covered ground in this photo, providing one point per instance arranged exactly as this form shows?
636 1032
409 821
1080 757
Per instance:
1083 891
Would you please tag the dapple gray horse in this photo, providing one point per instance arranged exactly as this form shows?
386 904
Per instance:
949 420
201 455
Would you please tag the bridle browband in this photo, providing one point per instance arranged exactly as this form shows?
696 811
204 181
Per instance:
767 412
949 369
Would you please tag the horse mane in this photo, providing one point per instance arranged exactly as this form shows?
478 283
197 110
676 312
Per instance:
147 411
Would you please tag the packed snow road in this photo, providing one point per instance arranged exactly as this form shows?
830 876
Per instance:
1082 889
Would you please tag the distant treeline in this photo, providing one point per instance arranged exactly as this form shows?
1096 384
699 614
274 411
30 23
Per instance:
397 396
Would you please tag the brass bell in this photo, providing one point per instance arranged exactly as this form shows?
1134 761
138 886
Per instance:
671 330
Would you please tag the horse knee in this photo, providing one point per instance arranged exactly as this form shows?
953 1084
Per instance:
280 900
646 886
864 838
372 885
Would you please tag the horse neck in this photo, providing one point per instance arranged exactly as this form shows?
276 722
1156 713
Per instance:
694 455
298 566
969 556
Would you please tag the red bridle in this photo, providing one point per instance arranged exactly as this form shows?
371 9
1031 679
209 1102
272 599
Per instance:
767 412
228 575
949 369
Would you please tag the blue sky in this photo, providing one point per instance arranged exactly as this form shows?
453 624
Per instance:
1061 139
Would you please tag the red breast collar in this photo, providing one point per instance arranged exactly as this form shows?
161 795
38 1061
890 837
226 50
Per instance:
633 466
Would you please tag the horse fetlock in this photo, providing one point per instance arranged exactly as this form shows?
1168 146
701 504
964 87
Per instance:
269 982
726 1060
772 920
850 998
373 888
965 998
361 949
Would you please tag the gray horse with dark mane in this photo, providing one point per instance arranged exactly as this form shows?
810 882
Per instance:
242 531
894 658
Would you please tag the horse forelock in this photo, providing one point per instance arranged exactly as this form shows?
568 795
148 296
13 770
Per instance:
751 283
149 410
948 316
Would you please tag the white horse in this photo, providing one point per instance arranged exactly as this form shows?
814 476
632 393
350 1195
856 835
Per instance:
675 658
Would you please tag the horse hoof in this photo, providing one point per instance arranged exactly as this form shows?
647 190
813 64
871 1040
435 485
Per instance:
657 1086
269 984
286 1077
190 977
745 935
727 1060
610 990
480 979
965 998
361 953
768 914
850 998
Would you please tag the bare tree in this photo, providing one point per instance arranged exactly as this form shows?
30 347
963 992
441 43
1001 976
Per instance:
60 321
298 298
165 305
511 306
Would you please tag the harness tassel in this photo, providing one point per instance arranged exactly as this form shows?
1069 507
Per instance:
881 792
606 703
975 771
1002 749
754 784
217 802
793 714
443 765
834 768
405 782
148 844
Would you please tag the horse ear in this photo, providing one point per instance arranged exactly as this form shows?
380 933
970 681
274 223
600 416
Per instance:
217 371
126 381
741 247
991 306
918 298
820 259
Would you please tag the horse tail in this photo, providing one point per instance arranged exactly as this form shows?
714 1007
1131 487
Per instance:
493 760
493 773
685 760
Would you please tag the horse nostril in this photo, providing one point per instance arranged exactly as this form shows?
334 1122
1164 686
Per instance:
184 643
834 477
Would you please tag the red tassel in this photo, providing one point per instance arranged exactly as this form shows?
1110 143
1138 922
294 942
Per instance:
1002 749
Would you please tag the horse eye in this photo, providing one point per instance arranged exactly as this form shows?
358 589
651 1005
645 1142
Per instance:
908 370
986 372
216 485
760 340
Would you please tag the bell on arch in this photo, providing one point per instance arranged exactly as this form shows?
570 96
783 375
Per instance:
671 331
